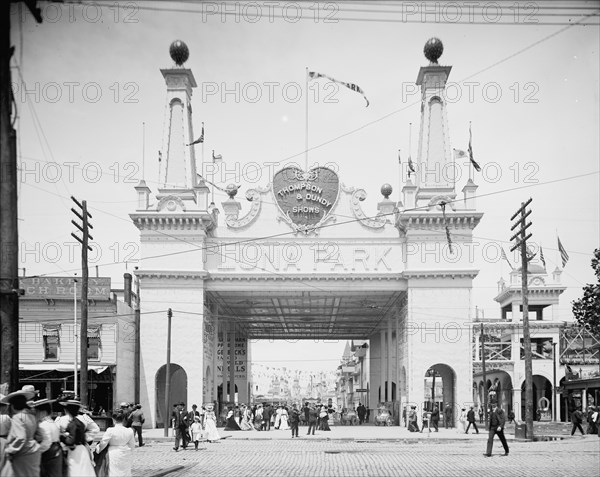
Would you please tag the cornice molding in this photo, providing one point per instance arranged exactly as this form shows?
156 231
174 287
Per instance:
419 274
186 221
223 276
437 221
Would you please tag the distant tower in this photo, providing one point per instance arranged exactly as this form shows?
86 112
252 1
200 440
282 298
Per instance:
178 167
434 157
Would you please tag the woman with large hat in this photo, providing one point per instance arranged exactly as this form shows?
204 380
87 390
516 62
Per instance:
22 450
79 457
210 423
5 423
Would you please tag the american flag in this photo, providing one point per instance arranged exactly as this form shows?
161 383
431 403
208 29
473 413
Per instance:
563 253
470 149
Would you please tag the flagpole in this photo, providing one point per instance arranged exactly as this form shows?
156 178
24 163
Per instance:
212 199
306 126
143 150
202 159
399 178
470 163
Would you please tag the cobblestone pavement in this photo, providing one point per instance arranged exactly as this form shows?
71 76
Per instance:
319 456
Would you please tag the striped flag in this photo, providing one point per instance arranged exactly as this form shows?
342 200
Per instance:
503 255
470 149
411 166
354 87
200 139
563 253
542 259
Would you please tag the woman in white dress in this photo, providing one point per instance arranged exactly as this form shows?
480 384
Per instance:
120 442
210 424
462 421
79 458
246 424
283 420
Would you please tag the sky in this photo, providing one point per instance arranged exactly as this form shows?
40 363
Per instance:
90 101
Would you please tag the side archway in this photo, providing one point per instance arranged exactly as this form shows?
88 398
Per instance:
177 392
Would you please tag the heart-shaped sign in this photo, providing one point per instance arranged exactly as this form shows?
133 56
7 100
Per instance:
305 198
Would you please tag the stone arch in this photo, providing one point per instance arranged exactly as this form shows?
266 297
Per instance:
444 394
177 391
541 388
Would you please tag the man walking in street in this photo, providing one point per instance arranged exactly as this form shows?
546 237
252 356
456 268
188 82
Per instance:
497 421
448 416
179 420
471 420
435 417
137 419
577 419
294 420
362 412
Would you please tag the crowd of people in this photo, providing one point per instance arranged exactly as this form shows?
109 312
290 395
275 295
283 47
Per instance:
35 441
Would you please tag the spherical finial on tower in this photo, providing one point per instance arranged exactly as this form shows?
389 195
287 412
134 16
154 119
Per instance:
386 190
433 49
232 190
179 52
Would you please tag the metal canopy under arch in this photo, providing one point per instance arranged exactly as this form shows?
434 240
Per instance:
319 315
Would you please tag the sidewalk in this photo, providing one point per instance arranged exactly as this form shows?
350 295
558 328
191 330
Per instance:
370 432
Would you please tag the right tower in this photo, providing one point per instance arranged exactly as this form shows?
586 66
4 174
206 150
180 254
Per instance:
436 230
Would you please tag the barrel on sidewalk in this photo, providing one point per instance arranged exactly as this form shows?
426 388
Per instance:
520 431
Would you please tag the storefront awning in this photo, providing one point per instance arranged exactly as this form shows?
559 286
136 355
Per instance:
64 368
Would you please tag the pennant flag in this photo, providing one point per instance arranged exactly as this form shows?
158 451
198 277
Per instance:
459 153
503 255
200 139
399 160
563 253
475 165
354 87
542 259
159 156
217 158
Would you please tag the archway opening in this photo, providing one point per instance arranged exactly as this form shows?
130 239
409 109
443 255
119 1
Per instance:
177 391
439 388
542 398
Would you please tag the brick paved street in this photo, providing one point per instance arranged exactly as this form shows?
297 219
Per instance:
397 453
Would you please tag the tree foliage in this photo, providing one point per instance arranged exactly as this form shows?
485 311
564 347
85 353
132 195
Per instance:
587 308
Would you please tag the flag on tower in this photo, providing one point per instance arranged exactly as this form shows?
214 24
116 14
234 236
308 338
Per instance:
470 149
563 253
503 255
354 87
217 158
542 259
200 139
411 167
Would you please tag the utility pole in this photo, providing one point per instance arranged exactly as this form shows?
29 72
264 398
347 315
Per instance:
485 391
137 364
554 381
168 374
9 233
521 236
84 241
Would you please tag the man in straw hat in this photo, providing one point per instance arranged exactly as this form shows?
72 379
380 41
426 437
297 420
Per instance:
22 448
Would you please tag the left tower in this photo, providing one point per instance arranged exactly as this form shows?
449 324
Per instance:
173 229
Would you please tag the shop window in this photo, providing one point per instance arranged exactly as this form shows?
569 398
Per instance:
94 344
51 342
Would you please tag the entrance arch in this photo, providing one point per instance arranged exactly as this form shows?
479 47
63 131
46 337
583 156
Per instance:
542 398
440 387
178 389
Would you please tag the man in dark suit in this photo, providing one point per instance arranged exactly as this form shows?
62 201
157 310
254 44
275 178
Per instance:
497 421
179 420
362 412
448 413
435 417
471 420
